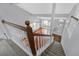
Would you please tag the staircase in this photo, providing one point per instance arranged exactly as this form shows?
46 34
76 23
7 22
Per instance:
9 48
55 49
42 42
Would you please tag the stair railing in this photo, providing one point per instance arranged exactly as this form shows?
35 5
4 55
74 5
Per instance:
74 18
36 40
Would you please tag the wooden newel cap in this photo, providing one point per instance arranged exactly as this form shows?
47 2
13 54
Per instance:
27 22
3 21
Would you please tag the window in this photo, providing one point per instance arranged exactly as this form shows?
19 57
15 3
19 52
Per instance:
46 23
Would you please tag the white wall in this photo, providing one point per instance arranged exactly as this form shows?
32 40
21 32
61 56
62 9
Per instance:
70 39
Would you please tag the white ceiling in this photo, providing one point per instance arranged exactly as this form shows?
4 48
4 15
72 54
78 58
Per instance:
64 8
46 8
37 8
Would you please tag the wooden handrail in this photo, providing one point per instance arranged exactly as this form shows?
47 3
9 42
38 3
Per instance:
22 28
14 25
75 18
37 29
37 34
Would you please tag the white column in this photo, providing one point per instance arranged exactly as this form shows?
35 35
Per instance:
52 17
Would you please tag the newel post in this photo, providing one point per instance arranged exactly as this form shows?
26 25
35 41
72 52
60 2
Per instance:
30 37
